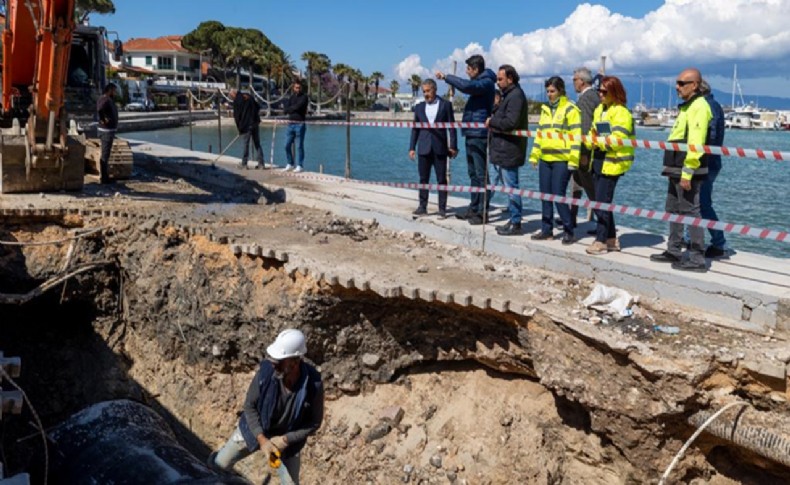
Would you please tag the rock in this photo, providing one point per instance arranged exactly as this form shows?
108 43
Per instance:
371 360
436 461
408 469
452 476
428 414
355 430
506 421
392 415
423 268
489 267
378 431
215 350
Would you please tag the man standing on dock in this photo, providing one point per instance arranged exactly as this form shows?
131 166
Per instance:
431 144
107 113
246 113
481 88
718 244
587 102
284 405
296 109
509 152
686 171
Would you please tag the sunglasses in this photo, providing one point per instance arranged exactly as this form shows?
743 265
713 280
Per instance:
682 83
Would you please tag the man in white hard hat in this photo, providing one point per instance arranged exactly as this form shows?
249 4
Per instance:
284 405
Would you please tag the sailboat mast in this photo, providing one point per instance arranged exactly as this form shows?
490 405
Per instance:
734 83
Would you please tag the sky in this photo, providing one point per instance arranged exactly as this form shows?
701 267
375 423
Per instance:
644 41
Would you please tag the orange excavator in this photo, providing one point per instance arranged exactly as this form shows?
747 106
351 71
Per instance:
53 73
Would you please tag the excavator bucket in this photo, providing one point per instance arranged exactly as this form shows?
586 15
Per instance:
21 171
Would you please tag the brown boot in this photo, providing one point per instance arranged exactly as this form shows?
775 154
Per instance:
597 248
613 245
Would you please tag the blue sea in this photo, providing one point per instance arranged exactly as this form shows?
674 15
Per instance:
747 191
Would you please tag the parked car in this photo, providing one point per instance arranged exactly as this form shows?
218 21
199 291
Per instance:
135 106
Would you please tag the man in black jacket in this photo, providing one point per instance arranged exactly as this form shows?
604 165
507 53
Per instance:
246 113
296 109
431 144
107 113
509 152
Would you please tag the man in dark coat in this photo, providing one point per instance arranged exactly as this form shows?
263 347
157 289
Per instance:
107 113
509 152
246 113
431 144
480 87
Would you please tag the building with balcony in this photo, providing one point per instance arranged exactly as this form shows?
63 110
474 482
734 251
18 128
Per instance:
165 57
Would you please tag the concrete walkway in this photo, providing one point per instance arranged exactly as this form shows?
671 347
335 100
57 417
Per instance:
747 291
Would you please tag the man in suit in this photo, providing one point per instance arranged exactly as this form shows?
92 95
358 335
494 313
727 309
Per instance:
431 144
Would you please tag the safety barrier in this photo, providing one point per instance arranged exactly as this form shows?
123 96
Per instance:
648 144
741 229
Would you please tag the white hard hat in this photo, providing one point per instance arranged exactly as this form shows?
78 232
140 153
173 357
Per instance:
290 343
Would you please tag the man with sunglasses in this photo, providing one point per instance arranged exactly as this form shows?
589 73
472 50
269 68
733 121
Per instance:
686 171
284 405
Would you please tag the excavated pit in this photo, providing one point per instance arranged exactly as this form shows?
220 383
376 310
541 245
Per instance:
179 322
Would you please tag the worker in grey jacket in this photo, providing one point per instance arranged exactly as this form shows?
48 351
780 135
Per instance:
284 405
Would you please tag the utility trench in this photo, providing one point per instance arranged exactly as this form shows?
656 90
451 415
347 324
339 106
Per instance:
417 391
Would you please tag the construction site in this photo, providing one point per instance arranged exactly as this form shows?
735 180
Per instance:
441 363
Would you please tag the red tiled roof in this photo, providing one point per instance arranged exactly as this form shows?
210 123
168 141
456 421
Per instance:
168 43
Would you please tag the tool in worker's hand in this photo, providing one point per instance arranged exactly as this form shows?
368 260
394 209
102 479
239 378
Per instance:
274 459
276 463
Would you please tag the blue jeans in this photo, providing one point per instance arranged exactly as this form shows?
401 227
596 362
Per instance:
294 130
235 449
509 177
553 178
476 164
706 209
604 192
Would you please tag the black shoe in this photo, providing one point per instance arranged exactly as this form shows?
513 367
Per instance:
442 214
420 211
558 221
476 220
664 257
713 252
542 236
592 232
689 266
466 214
509 229
567 238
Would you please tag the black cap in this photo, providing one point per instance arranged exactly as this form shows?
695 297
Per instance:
110 86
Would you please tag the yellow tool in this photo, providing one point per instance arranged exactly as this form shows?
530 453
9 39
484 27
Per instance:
274 459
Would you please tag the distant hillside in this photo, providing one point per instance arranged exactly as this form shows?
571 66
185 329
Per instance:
725 98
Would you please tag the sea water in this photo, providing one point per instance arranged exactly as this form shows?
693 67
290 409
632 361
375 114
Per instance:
747 191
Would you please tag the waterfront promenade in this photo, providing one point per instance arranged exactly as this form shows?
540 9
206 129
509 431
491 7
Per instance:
748 291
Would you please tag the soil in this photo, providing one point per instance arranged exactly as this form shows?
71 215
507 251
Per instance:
173 318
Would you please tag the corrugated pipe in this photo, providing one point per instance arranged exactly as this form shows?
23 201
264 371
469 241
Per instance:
766 441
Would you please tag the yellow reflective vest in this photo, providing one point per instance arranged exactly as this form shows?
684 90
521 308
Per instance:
565 120
618 158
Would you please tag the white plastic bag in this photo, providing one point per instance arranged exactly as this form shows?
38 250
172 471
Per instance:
611 300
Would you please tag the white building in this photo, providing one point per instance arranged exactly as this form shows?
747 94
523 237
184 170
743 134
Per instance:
165 57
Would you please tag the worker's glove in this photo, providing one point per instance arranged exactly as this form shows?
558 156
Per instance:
280 442
268 448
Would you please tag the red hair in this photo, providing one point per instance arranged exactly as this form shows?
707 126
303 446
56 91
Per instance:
615 89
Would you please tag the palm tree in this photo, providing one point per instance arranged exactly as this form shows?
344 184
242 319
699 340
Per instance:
415 82
316 63
367 81
343 74
376 77
356 77
394 88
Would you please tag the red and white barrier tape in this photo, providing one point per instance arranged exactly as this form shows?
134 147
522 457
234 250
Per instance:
741 229
648 144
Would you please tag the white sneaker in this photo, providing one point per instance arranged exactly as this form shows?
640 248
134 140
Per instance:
288 168
298 170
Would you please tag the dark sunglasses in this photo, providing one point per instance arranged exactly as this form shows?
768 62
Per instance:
682 83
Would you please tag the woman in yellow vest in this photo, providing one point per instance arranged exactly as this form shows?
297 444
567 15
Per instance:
557 155
611 119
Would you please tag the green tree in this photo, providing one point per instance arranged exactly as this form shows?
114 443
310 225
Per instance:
83 8
394 88
416 82
377 77
205 37
317 63
343 73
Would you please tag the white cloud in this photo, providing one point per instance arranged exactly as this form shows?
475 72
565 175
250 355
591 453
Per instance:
411 65
711 34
